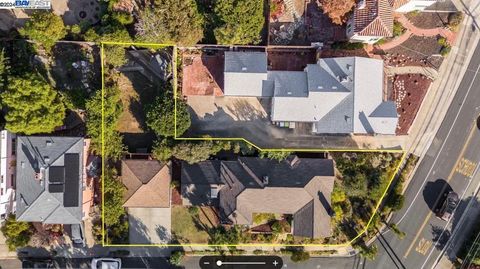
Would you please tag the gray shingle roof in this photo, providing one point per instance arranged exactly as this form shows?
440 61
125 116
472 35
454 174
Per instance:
35 202
338 95
245 62
293 184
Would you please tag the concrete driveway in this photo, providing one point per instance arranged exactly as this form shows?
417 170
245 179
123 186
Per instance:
248 118
149 225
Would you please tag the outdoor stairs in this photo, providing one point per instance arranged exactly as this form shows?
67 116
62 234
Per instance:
289 29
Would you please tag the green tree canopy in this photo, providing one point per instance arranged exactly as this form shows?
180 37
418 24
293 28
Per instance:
110 30
113 197
160 116
45 28
242 21
112 109
194 152
170 21
4 67
33 106
17 232
275 155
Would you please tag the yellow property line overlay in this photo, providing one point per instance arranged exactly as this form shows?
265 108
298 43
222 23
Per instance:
175 84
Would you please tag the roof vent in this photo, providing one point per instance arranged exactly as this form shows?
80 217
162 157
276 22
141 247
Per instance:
349 67
38 176
293 160
344 79
46 159
289 93
244 68
334 87
320 87
361 4
265 180
49 143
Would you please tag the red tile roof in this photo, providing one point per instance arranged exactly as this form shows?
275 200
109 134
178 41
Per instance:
397 3
374 19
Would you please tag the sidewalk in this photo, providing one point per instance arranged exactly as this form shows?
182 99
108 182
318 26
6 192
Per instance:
442 90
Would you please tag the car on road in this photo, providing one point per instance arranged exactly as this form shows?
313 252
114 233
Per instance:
33 263
106 263
448 204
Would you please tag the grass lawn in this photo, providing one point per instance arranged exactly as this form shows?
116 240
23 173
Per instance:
186 228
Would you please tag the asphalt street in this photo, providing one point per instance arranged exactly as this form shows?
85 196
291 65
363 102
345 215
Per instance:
449 164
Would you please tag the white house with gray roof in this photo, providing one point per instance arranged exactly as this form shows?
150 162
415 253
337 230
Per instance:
337 95
49 179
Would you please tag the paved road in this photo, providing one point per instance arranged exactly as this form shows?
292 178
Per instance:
85 263
312 263
449 163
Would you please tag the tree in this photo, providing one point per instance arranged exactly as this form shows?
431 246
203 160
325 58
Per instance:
275 155
368 252
113 147
33 106
194 152
299 255
45 28
400 234
170 21
177 257
162 149
110 30
4 67
18 233
113 199
235 26
337 9
160 116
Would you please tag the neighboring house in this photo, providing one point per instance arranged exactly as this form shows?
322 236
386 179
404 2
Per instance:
370 21
334 96
147 199
7 173
50 179
405 6
297 186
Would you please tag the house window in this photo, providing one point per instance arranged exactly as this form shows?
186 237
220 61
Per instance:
14 146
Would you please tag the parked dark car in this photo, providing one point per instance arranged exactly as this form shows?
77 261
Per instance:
33 263
448 204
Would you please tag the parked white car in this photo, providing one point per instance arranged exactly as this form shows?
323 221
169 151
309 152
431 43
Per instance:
106 263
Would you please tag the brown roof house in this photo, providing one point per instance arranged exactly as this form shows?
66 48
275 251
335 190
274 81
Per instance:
147 200
371 21
298 186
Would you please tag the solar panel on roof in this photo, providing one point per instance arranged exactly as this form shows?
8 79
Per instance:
55 188
72 180
56 174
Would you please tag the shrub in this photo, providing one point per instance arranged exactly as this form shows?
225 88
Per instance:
193 210
300 256
18 233
444 51
454 20
176 257
398 29
347 45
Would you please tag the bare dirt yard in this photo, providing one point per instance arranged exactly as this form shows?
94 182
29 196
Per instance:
427 20
290 59
408 93
416 51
